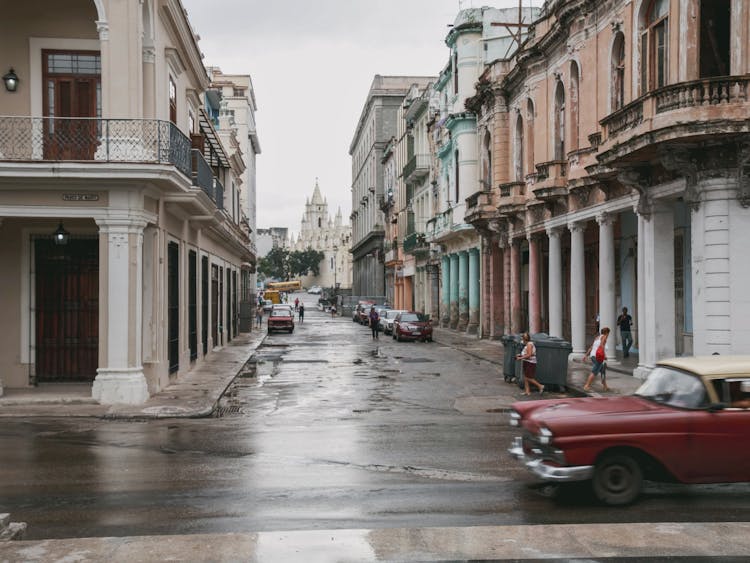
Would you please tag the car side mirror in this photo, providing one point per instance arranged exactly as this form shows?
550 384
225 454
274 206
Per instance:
715 407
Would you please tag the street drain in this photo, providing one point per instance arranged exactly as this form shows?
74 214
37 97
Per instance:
416 360
227 410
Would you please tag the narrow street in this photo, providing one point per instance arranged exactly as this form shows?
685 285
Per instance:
334 431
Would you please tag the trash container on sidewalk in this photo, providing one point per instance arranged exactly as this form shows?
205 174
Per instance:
552 360
511 347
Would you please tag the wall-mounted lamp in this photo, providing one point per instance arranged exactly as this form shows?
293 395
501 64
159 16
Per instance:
61 236
11 80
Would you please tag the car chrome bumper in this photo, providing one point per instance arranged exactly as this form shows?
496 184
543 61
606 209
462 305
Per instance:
546 471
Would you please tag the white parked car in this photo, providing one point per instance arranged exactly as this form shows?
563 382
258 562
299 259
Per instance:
386 319
315 290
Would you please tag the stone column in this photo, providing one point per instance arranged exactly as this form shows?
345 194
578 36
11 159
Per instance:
463 290
474 287
454 291
506 288
120 377
607 303
659 300
577 290
515 287
445 308
644 339
555 283
495 291
535 302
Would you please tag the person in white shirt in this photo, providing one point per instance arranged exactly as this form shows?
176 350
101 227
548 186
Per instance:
528 356
598 364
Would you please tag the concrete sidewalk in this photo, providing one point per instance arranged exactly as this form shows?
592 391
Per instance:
620 378
194 395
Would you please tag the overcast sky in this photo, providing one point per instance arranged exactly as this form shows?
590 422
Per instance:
312 62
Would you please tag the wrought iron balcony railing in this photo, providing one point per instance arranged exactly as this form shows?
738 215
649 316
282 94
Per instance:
417 167
59 139
202 175
218 193
414 242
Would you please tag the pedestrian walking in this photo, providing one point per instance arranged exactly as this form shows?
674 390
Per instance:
374 322
301 312
259 316
597 354
296 303
528 355
333 311
624 321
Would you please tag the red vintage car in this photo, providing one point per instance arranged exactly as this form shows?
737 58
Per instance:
281 318
689 422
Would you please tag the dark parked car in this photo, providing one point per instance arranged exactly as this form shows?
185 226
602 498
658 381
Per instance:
281 318
410 325
689 422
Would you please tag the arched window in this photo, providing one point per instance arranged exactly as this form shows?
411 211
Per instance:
559 122
530 164
617 84
487 161
654 45
574 113
518 149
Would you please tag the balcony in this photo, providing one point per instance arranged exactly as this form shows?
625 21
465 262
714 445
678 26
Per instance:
417 167
62 139
512 199
481 208
416 243
440 226
706 107
551 180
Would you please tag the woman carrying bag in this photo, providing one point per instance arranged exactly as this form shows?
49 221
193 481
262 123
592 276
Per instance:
598 360
528 355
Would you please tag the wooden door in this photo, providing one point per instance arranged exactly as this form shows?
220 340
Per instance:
72 92
66 282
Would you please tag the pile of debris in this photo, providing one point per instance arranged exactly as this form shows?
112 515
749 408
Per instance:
11 530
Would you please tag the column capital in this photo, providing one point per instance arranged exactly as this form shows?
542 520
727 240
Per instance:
605 219
129 224
102 27
554 231
576 227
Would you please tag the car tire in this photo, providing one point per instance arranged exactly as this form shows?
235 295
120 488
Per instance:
618 479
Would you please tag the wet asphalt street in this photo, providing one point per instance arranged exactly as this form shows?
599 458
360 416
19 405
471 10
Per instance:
334 431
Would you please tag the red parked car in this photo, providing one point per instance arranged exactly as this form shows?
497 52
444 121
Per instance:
281 318
689 422
410 325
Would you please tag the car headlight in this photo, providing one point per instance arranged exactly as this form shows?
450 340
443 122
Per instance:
545 436
515 418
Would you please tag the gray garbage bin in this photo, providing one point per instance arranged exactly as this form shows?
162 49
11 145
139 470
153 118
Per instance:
511 347
552 360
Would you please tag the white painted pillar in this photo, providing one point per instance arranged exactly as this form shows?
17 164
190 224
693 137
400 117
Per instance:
659 300
644 341
555 283
577 290
607 304
120 377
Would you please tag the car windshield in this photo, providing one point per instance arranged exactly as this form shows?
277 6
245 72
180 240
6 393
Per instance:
674 388
411 317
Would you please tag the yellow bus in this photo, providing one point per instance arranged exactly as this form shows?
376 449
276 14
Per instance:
293 285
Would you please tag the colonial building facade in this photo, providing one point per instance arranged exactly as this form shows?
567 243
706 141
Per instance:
612 155
375 128
331 237
122 241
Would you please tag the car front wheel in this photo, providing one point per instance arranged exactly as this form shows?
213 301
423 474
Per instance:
617 479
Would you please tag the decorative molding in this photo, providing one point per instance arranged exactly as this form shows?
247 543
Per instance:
616 25
577 227
553 231
681 161
174 60
149 54
605 219
638 180
102 28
